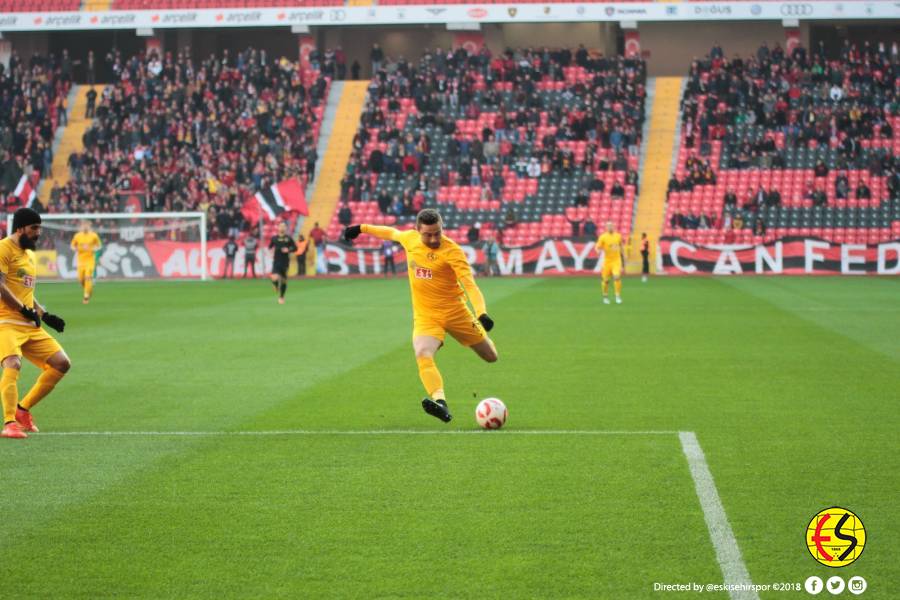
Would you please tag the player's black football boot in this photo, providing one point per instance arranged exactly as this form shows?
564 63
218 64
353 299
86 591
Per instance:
437 409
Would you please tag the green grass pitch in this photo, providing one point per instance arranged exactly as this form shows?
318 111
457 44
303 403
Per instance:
790 384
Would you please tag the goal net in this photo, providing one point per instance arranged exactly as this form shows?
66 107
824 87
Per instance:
140 245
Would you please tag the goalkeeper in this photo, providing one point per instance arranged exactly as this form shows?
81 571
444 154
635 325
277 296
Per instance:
439 279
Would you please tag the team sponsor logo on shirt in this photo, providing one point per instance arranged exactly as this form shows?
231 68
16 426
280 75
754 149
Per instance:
423 273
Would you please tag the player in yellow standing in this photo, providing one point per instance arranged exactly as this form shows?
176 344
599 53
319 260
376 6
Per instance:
610 244
440 278
86 244
20 327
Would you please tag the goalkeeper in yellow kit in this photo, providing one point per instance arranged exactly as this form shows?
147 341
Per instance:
610 243
86 244
440 278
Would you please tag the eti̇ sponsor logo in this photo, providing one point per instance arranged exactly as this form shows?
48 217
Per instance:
477 12
423 273
835 537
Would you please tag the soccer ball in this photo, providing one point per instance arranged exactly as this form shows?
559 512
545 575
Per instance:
491 413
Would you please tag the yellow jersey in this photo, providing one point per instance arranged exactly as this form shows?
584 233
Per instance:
611 245
20 269
439 279
84 245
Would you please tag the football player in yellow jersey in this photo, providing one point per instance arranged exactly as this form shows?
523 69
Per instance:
86 243
610 243
20 327
440 278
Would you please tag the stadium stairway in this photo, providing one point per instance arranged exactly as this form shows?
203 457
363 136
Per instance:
660 144
327 191
70 139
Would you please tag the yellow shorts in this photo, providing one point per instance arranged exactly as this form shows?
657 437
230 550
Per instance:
458 322
86 270
613 268
29 341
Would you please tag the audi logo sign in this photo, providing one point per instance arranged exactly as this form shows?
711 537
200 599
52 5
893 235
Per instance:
796 10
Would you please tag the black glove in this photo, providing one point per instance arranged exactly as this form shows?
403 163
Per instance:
486 322
31 315
352 232
55 322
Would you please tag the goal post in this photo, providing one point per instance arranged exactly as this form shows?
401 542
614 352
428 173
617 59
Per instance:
138 245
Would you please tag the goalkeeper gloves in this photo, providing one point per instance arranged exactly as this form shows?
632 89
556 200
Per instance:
352 232
57 323
486 322
31 315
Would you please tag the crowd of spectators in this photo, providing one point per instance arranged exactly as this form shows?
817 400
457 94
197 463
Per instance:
591 123
33 97
764 111
187 134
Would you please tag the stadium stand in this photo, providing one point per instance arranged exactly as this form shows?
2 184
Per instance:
32 96
782 144
526 145
197 137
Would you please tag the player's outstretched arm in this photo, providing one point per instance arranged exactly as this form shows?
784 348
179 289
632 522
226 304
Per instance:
379 231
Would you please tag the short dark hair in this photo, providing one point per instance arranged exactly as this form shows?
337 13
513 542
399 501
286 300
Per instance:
428 216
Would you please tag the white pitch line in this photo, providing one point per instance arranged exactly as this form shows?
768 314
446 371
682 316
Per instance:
727 551
300 432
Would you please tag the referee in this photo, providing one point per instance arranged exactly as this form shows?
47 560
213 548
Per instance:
284 248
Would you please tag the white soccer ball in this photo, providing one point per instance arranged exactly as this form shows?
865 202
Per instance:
491 413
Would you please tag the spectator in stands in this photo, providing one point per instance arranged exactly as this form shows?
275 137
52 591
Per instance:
354 70
841 186
759 227
510 220
820 198
376 57
820 169
590 228
617 191
582 198
730 198
773 198
863 192
90 108
474 233
345 215
576 221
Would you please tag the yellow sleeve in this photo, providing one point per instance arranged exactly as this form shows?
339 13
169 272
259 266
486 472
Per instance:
599 244
385 233
74 244
463 272
97 243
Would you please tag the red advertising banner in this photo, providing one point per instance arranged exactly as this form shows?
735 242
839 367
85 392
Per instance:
787 256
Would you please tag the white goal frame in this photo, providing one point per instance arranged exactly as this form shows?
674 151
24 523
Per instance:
198 215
